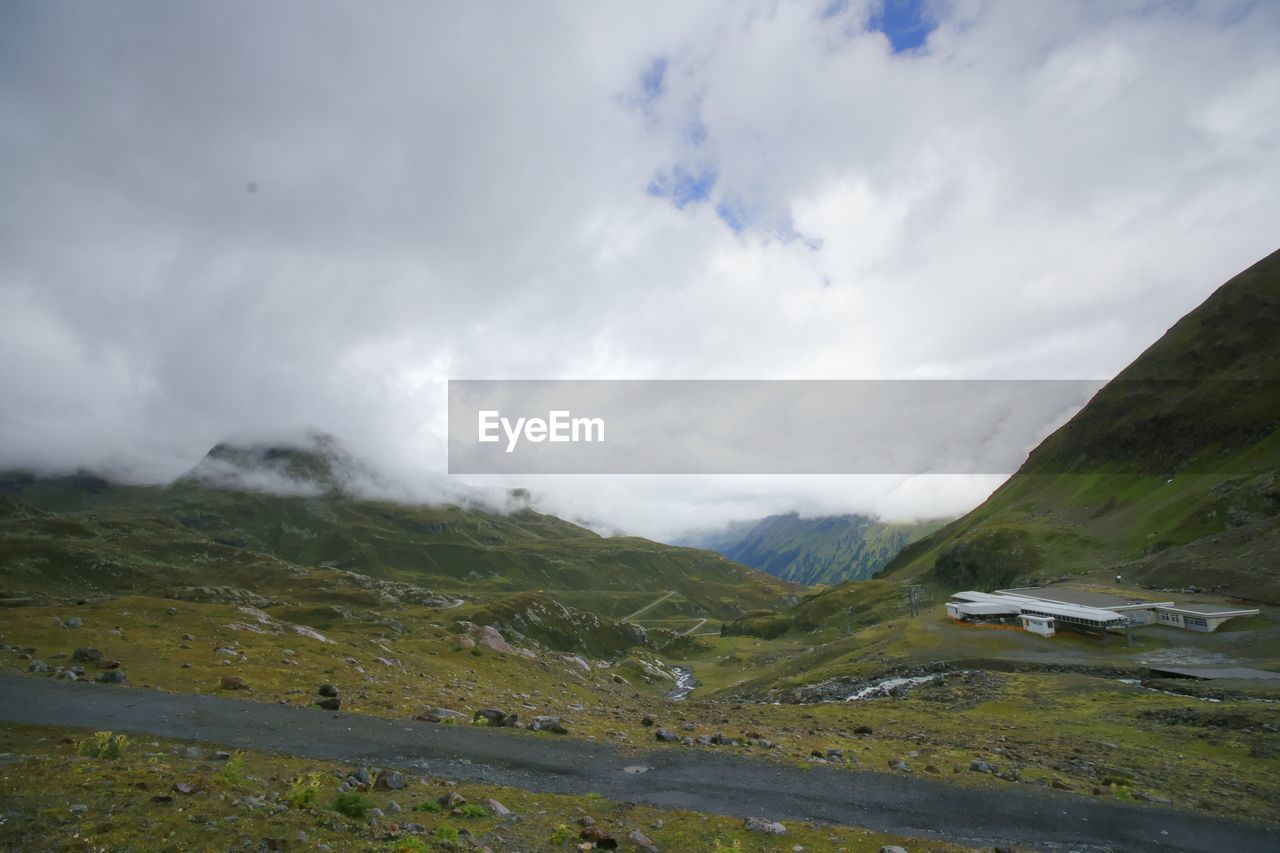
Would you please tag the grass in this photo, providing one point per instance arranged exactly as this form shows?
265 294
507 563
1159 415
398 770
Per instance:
1056 721
129 804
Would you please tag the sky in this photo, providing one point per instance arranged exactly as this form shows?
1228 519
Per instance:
245 220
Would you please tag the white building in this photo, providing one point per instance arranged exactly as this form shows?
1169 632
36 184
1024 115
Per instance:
1043 611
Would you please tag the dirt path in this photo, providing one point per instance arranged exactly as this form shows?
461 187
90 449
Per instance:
649 606
698 779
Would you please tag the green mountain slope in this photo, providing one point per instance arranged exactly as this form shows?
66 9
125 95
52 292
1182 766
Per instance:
82 533
1169 476
824 550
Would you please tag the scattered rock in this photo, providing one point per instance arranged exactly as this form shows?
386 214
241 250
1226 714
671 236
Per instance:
666 736
931 768
193 752
641 840
111 676
646 721
439 715
497 808
183 787
73 622
899 764
78 808
87 654
38 666
601 839
862 730
220 755
892 848
768 827
392 780
393 807
233 682
492 716
550 724
451 799
981 767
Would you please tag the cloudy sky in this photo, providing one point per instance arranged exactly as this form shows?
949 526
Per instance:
246 219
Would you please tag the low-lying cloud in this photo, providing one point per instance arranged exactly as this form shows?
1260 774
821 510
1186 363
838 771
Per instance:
254 219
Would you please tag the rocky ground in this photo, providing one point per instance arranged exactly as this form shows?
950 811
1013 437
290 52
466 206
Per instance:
1087 736
67 789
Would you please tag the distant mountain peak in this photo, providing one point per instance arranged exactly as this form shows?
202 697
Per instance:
314 463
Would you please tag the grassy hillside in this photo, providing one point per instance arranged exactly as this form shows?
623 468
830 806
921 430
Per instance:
81 534
824 550
1170 476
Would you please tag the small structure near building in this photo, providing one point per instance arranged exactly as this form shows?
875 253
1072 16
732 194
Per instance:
1045 611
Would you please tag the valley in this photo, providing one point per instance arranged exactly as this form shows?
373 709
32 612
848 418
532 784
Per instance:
278 606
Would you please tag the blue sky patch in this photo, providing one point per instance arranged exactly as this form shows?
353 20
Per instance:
683 186
734 214
906 23
653 80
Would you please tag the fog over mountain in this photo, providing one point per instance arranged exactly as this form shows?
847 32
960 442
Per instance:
248 221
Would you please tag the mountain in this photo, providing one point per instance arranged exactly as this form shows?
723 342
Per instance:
275 518
1170 476
823 550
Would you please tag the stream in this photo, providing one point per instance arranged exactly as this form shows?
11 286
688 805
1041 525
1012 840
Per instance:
685 682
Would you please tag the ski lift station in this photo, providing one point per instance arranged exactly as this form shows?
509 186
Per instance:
1046 611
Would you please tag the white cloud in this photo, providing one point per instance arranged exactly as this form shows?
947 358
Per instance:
1038 192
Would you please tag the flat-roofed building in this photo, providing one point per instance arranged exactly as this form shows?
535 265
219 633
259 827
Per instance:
1044 611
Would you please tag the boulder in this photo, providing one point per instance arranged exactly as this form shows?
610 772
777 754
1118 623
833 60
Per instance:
328 690
333 703
549 724
497 808
392 780
641 840
439 715
767 827
666 736
233 682
451 799
111 676
87 654
492 716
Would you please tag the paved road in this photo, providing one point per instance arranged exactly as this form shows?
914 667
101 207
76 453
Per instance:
694 778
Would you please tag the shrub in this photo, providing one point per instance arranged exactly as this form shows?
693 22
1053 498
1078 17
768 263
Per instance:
104 745
427 806
446 834
473 810
232 772
303 791
352 804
